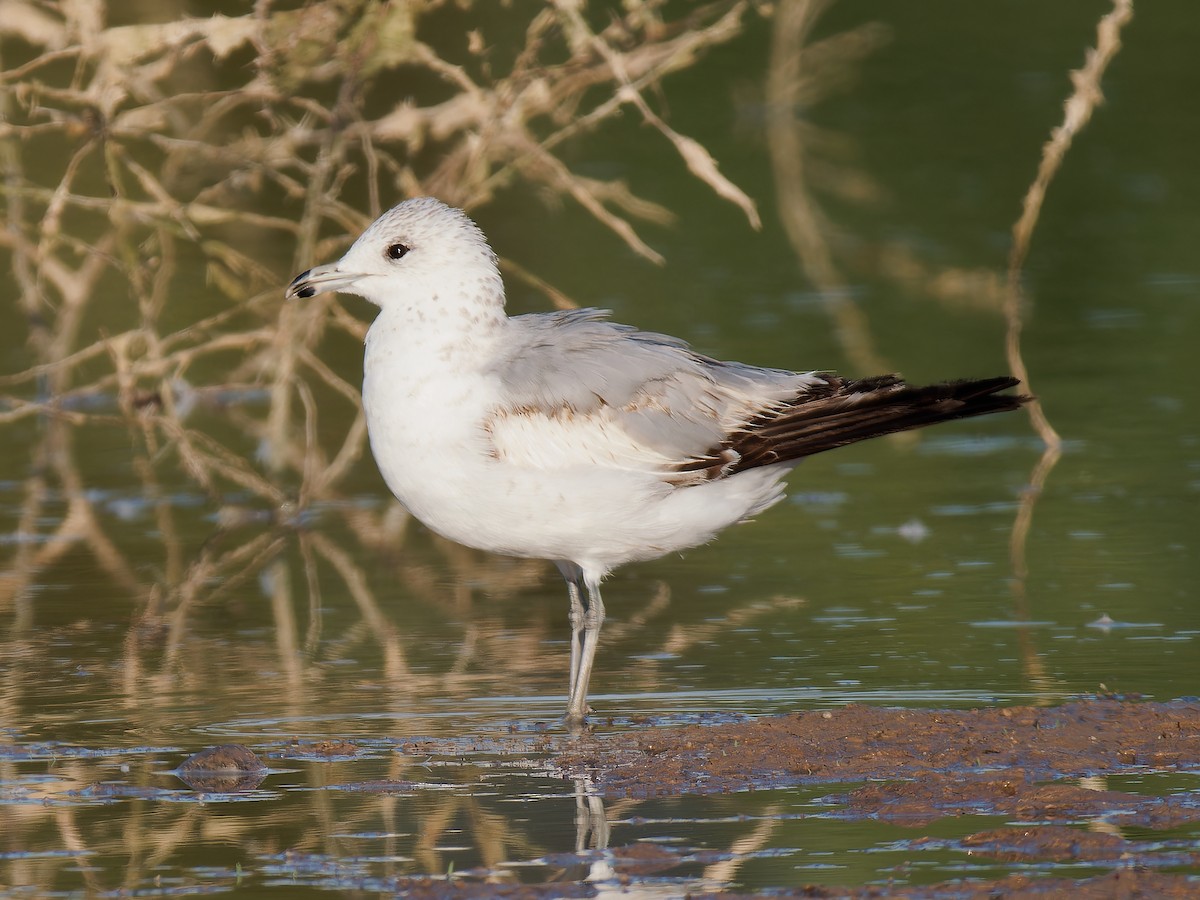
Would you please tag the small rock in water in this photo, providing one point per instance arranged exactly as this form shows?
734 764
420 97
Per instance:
228 767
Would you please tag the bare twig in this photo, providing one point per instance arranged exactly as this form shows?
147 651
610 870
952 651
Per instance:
1078 110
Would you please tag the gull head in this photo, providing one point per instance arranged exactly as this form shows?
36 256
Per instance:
417 251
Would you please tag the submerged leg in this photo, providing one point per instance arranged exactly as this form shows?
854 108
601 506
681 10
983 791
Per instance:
575 616
574 578
593 618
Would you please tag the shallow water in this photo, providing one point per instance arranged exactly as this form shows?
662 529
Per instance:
897 573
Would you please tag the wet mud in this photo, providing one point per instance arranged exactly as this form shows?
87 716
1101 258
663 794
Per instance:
926 756
1096 798
1129 882
1050 768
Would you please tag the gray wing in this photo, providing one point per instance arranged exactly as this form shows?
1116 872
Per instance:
579 389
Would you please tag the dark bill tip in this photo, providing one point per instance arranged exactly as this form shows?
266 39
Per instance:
298 288
320 280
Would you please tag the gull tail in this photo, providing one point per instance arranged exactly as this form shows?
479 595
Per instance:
842 411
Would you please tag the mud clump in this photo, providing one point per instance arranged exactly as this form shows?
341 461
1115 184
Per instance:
1003 753
1126 883
1049 767
227 768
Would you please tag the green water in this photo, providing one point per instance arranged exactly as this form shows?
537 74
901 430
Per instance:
886 577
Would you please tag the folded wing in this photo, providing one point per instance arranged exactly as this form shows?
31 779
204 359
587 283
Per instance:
582 391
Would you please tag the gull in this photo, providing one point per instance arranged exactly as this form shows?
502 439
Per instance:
568 437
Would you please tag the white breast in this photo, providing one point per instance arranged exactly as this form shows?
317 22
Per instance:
455 454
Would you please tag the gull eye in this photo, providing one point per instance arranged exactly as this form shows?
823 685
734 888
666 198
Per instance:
396 251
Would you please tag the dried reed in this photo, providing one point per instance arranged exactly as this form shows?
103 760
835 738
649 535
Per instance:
128 150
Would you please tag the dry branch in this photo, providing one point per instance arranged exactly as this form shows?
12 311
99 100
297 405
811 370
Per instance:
177 158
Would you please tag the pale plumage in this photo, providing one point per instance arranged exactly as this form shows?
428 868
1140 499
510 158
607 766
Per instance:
567 437
581 389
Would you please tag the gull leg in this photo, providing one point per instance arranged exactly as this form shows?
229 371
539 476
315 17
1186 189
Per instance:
576 617
573 575
593 618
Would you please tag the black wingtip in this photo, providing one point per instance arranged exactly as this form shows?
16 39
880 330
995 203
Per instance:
843 411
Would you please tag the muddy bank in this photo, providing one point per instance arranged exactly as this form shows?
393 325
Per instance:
1052 768
1129 883
1096 798
933 761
